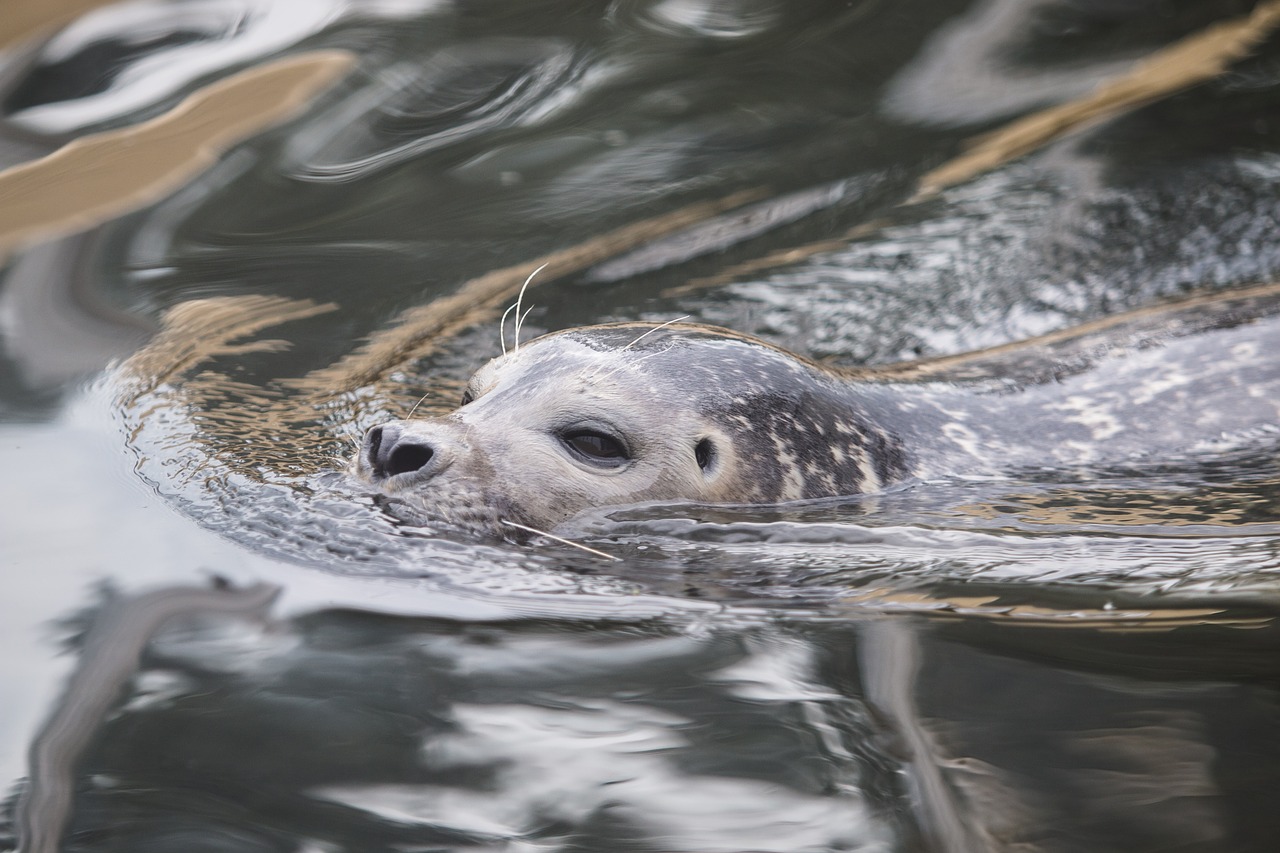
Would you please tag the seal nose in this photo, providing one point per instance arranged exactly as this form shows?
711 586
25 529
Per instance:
388 451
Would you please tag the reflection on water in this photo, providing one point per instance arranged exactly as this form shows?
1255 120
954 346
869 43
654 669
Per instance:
349 730
111 64
277 223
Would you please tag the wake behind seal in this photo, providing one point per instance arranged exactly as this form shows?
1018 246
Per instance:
628 413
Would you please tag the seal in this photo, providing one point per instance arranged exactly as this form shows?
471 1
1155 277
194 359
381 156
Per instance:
628 413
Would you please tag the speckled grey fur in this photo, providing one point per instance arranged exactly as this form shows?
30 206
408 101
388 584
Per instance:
1154 384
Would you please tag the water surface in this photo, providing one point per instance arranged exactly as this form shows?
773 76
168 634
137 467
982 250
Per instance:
213 639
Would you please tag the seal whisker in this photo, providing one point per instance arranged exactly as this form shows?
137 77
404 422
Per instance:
560 539
524 317
520 301
421 400
598 378
654 329
502 328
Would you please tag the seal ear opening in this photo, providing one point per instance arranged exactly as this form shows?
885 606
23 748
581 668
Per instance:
705 453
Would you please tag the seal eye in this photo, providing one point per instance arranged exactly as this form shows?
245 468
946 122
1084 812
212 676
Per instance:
595 447
467 397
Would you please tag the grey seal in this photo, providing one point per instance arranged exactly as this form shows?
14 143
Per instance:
627 413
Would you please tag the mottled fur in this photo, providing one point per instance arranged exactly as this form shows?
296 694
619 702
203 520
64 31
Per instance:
709 415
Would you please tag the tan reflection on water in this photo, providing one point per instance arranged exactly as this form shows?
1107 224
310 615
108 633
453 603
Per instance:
990 607
203 329
100 176
1234 506
23 19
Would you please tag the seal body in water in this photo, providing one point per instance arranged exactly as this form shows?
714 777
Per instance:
628 413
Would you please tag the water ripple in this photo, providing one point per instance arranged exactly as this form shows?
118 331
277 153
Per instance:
416 107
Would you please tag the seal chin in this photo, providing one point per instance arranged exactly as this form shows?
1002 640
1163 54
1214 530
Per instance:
454 510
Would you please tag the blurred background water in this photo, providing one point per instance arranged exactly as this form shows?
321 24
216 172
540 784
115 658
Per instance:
212 640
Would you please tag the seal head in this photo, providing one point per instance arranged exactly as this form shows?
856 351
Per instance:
629 413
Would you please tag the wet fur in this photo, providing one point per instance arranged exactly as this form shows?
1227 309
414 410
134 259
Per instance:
1165 380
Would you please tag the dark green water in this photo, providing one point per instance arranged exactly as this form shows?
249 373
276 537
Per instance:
1076 660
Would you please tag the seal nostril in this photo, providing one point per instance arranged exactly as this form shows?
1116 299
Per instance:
372 442
388 452
408 457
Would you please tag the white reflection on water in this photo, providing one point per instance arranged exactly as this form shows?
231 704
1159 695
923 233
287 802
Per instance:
218 35
964 74
93 521
721 19
602 760
1013 254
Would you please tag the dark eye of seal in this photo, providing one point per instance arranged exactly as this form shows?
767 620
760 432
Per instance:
467 397
595 447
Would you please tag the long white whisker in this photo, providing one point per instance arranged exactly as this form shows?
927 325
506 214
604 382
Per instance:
520 301
560 539
599 378
595 375
654 329
502 328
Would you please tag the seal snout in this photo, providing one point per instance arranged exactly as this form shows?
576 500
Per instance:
390 450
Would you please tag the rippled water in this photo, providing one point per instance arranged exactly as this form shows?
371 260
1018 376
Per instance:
219 224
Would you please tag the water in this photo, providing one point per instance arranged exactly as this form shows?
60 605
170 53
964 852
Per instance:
214 640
